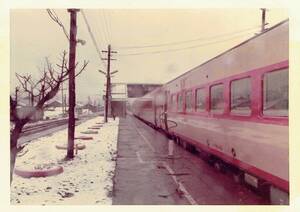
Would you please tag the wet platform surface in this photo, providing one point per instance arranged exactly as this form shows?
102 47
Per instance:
146 176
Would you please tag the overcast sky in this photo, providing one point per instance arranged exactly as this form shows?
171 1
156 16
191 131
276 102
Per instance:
182 39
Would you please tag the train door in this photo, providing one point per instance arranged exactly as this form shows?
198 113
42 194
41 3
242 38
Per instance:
159 110
165 110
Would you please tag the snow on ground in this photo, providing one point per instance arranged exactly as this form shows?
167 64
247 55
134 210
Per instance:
87 179
54 113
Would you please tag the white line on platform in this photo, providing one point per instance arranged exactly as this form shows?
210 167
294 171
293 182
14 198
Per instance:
187 195
145 139
139 157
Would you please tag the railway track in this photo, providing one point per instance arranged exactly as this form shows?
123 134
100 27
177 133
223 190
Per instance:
31 129
35 128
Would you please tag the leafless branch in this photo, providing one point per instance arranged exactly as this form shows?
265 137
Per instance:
46 87
85 63
55 18
24 81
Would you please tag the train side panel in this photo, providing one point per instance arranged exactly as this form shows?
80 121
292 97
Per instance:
256 143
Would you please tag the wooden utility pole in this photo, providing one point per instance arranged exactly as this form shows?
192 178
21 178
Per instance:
63 106
107 84
72 94
263 19
107 93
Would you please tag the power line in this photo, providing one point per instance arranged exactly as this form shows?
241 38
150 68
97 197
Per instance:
105 32
101 33
102 28
55 18
92 36
184 48
107 27
188 41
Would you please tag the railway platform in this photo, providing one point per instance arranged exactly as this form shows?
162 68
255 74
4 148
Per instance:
147 175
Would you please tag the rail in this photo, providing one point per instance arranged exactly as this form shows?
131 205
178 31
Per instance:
39 127
43 125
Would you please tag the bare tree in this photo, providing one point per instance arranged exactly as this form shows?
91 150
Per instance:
42 90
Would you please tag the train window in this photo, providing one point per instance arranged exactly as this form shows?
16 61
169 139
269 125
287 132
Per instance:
179 103
173 102
276 93
240 96
147 104
217 98
200 99
188 101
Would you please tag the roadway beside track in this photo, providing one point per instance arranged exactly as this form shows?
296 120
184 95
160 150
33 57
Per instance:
145 175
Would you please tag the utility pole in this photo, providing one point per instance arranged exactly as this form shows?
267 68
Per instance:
62 98
263 19
72 94
107 93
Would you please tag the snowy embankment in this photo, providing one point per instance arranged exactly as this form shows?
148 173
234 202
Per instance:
87 179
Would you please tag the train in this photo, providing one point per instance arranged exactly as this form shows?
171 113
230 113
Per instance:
234 109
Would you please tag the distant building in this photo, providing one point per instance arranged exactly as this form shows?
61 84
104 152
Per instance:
90 107
54 103
135 90
121 93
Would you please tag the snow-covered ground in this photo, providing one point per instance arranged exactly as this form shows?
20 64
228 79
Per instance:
87 179
54 113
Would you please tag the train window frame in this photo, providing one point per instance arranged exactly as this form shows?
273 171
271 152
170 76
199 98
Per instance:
173 102
217 111
191 109
147 104
180 109
274 113
195 99
240 112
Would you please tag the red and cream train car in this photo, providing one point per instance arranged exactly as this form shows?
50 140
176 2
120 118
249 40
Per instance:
234 107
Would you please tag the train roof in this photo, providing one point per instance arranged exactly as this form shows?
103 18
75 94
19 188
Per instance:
238 45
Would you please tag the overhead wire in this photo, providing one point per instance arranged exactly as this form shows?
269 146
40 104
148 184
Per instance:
101 33
92 36
107 26
55 18
105 32
187 41
183 48
100 25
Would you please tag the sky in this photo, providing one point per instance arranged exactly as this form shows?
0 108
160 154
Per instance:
153 45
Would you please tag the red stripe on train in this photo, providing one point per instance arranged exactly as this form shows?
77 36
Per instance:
277 181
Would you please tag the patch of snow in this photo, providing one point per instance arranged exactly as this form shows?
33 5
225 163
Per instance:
87 179
56 112
86 111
